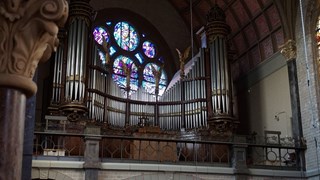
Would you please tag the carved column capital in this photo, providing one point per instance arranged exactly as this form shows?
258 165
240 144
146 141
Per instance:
289 50
28 34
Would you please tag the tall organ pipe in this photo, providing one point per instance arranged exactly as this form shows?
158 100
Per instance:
57 75
78 28
220 120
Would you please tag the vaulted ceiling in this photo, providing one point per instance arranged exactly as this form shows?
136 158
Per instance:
256 27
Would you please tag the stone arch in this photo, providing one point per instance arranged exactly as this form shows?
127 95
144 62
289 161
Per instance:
41 173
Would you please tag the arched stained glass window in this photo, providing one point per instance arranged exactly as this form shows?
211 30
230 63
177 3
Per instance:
121 67
100 32
149 49
150 74
126 36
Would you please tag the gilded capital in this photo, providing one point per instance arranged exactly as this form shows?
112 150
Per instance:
28 34
289 50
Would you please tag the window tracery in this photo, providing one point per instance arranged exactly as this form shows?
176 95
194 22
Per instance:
131 48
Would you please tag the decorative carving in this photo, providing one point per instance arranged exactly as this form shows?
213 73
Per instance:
182 59
216 14
28 34
81 10
216 24
222 126
127 71
157 76
289 50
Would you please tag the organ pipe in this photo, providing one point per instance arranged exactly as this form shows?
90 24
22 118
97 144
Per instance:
77 47
57 75
219 93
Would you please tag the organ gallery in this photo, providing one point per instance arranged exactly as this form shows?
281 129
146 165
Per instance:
146 89
96 82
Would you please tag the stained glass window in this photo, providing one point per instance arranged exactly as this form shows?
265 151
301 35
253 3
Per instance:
121 66
100 32
150 73
126 36
149 49
127 50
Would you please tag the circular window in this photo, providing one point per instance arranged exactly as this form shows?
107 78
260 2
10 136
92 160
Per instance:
149 49
126 36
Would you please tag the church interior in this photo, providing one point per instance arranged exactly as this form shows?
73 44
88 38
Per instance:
170 89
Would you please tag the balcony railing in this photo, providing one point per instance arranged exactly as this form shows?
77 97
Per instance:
166 149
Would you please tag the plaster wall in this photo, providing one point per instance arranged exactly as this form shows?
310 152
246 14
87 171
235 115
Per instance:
269 104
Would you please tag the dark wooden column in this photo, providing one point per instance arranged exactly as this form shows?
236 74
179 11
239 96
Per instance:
28 35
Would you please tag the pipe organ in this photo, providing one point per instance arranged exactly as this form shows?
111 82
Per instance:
220 92
201 98
76 56
57 88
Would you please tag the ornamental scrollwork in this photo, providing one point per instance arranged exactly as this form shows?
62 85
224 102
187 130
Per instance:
28 34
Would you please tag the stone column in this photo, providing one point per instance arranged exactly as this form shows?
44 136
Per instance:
28 34
92 162
288 50
28 136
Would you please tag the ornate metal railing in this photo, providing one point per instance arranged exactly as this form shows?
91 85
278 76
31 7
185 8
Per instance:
166 149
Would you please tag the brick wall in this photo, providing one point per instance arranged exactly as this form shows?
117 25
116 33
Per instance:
309 94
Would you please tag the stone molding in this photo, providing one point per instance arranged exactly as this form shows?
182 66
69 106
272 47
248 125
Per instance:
28 34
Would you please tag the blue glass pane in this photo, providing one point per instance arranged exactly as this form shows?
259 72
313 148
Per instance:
108 23
100 32
149 49
163 78
112 50
102 56
126 36
149 87
139 57
162 88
